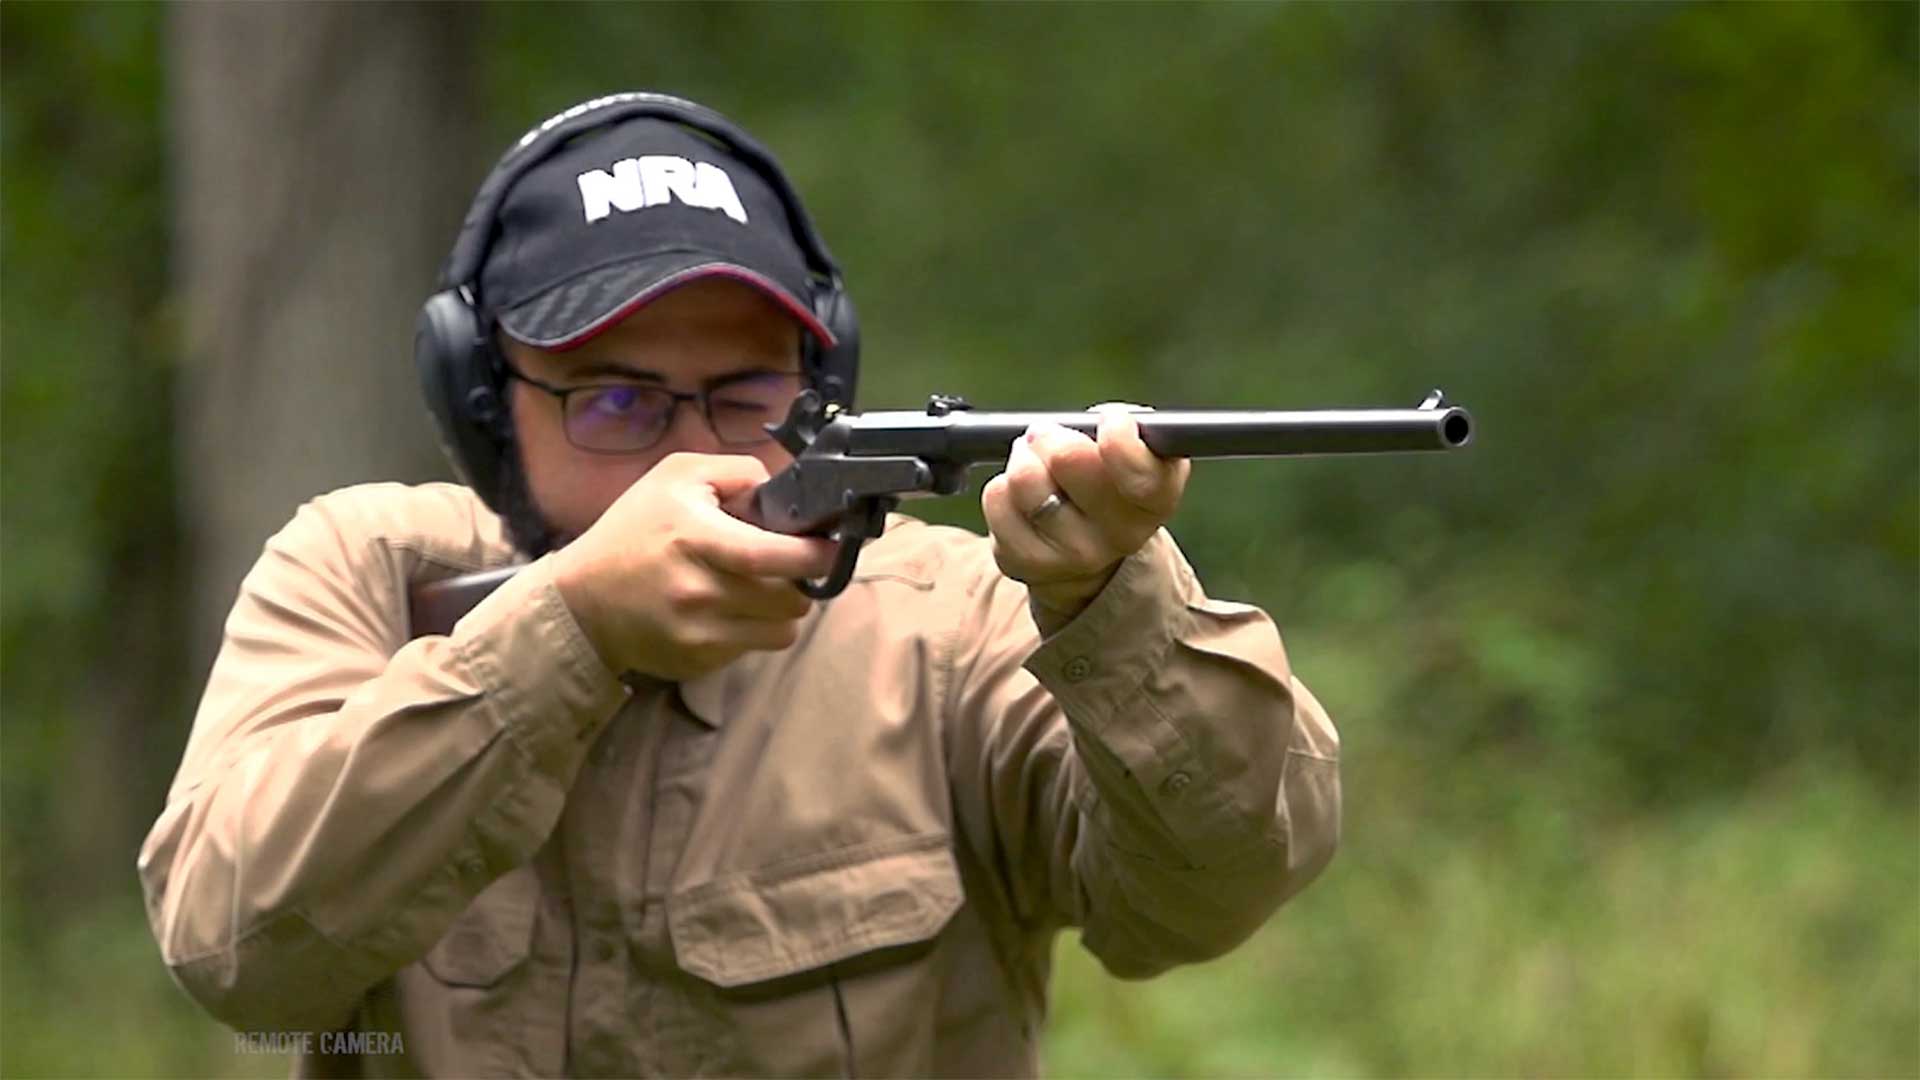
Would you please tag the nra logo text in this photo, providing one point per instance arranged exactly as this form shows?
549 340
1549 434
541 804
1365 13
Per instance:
655 180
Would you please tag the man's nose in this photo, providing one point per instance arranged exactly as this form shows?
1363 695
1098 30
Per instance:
690 431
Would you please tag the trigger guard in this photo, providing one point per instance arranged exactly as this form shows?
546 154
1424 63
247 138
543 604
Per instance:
836 581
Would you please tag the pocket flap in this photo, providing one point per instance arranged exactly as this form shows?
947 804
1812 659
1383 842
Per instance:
492 936
803 914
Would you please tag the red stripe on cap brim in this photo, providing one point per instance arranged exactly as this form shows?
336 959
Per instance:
800 312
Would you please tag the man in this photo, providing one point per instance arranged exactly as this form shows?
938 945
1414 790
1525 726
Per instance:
647 809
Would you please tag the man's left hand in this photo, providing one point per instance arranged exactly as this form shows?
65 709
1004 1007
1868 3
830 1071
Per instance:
1069 508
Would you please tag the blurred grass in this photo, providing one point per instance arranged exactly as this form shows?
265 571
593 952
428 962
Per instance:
1775 935
86 996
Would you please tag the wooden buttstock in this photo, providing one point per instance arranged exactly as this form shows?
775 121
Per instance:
435 606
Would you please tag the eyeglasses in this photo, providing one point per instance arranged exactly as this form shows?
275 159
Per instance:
627 417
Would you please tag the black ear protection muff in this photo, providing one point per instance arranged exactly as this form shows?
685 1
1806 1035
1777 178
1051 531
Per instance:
452 345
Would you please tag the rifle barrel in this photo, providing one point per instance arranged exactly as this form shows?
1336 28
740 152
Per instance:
982 437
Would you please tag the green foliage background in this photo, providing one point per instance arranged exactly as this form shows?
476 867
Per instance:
1628 692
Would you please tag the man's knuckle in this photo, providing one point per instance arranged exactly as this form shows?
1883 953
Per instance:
689 641
683 546
716 645
686 592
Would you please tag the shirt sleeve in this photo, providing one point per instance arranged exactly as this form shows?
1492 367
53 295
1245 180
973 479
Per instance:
345 793
1151 772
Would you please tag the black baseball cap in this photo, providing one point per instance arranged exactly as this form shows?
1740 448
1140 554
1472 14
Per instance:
624 214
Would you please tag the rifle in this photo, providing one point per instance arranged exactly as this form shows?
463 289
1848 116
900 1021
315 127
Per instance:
852 469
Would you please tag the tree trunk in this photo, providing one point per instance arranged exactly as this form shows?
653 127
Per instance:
325 154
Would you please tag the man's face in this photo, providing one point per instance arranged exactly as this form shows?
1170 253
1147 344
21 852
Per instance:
700 334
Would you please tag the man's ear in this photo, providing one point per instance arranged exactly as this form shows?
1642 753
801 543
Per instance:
490 404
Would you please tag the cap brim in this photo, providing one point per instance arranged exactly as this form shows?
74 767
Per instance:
572 313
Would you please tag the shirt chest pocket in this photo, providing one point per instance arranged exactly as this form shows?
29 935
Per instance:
492 936
468 1007
809 913
820 965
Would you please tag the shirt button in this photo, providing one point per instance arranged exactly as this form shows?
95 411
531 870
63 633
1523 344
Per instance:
1078 668
1175 784
472 865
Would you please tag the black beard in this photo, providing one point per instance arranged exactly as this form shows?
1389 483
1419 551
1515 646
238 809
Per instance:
526 527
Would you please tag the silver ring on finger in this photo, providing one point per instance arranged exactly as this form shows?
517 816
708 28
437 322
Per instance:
1048 507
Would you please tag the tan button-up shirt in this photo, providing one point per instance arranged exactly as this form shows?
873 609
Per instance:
487 854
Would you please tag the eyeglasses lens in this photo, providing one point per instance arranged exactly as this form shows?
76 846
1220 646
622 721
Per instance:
627 417
741 410
617 417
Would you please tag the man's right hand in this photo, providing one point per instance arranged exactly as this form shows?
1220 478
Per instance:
668 584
